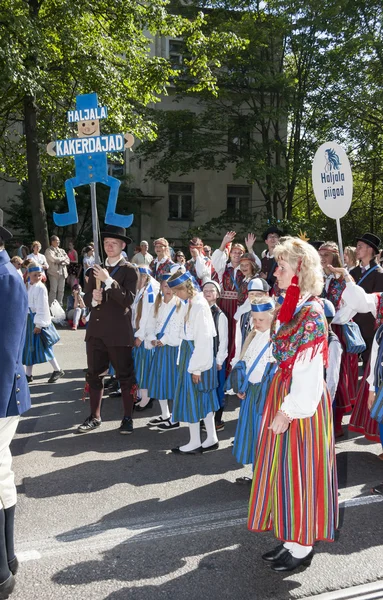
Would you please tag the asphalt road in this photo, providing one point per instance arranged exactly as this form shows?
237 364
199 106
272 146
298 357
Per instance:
106 516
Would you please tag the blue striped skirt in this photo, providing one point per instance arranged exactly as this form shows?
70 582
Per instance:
250 418
192 402
163 373
38 347
142 362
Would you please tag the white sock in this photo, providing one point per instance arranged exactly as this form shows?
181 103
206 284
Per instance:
165 413
55 364
144 397
28 370
299 551
210 430
195 438
288 545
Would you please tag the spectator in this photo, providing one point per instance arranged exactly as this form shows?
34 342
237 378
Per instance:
75 308
18 263
74 267
88 260
37 257
142 257
57 260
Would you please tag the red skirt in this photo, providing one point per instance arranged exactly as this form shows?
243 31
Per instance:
360 420
295 488
346 393
229 307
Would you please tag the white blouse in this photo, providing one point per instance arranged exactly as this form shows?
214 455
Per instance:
172 334
199 328
203 268
146 305
39 259
38 303
255 347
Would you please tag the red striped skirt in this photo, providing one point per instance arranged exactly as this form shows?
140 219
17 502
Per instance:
360 420
346 393
295 488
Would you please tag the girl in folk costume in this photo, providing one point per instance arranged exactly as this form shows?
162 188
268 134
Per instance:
360 301
295 485
163 334
250 269
41 334
147 291
195 396
333 289
163 262
260 369
199 265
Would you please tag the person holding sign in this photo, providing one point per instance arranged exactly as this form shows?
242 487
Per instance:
295 483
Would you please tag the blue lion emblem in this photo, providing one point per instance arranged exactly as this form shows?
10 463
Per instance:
332 160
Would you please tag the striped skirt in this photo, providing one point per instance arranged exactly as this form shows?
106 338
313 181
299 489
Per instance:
192 402
250 418
142 361
163 373
294 486
360 420
348 376
38 347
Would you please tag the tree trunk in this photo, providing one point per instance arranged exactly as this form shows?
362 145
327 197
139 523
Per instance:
35 189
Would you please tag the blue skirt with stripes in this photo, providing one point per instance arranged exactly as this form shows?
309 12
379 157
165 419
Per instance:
38 347
163 373
192 402
250 417
142 362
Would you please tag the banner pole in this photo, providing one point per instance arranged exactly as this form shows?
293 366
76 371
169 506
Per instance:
340 243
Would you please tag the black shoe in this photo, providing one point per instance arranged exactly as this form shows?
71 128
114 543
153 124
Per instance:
245 481
168 426
89 425
115 394
55 376
212 447
288 562
112 385
378 489
274 555
126 425
13 565
6 588
179 451
29 378
139 408
157 421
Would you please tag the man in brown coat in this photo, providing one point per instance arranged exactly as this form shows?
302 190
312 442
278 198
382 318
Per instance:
109 336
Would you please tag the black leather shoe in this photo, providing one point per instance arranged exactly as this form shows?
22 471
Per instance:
13 565
212 447
6 588
139 408
274 555
288 562
179 451
116 394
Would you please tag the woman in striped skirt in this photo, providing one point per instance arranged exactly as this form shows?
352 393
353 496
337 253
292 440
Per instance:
163 334
260 368
41 334
195 396
147 290
294 487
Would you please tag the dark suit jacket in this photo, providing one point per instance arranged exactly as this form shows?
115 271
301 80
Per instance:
111 320
14 390
372 283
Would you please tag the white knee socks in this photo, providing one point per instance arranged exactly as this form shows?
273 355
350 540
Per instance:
55 364
195 438
210 430
28 370
164 406
144 397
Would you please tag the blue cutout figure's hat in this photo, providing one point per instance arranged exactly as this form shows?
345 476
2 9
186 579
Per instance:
86 101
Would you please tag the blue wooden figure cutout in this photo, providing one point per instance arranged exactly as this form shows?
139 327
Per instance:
90 156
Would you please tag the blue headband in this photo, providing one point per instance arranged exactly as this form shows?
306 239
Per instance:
263 307
145 270
34 268
179 280
166 276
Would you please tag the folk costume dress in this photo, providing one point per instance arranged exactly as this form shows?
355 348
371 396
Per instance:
38 347
361 421
166 326
346 392
294 487
251 408
160 267
193 402
141 355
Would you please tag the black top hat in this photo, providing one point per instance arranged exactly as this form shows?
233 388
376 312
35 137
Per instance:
371 240
5 234
272 229
118 233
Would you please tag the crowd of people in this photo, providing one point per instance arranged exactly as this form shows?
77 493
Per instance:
283 332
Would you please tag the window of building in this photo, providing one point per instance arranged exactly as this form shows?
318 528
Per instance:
177 52
181 201
238 198
115 169
239 136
